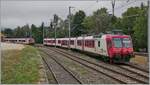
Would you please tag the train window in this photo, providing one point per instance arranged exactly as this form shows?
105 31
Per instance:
126 42
72 42
89 43
21 40
93 44
117 42
79 42
49 41
53 41
59 41
98 43
64 42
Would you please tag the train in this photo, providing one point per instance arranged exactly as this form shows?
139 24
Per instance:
111 47
19 40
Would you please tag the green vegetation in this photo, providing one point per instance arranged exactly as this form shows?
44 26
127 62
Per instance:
20 66
133 22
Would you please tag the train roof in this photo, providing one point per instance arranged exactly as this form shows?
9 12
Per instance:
90 37
15 38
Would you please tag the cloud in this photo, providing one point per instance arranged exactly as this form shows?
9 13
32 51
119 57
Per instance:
14 13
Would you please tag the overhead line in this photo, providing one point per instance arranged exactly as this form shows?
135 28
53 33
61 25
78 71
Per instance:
67 0
122 6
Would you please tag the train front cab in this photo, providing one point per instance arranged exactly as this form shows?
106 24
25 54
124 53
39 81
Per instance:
119 48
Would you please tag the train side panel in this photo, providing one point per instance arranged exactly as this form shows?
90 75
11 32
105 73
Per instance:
73 43
79 43
20 40
101 46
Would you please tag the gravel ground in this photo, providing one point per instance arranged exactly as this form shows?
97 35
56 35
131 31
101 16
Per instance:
111 66
49 74
11 46
139 60
62 75
42 72
88 76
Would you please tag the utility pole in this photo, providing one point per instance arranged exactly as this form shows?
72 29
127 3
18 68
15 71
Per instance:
113 6
43 31
148 3
69 24
55 33
31 32
54 25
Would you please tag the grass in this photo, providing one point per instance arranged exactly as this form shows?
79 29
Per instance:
20 66
140 60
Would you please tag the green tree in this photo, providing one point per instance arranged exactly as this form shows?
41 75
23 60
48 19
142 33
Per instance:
40 33
129 18
102 20
34 32
89 24
56 18
140 29
77 28
8 32
18 32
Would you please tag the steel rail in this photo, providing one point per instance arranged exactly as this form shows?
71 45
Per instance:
80 82
62 52
50 69
137 67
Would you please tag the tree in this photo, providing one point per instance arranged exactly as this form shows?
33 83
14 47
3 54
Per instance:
8 32
140 29
129 22
98 22
18 32
36 33
77 28
102 20
89 24
40 33
56 18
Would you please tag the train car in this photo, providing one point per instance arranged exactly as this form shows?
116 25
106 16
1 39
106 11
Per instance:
20 40
49 41
65 42
111 47
58 42
73 43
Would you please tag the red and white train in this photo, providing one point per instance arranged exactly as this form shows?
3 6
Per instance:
111 47
20 40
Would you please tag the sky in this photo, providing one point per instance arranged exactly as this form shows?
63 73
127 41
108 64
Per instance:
18 13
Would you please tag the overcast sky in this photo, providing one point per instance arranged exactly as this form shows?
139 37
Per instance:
14 13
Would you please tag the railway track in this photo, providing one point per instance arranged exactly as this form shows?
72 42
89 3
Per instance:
141 54
144 72
121 75
60 73
132 65
135 71
50 71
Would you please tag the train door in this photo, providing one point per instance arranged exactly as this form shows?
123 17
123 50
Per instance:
101 46
75 42
98 46
82 43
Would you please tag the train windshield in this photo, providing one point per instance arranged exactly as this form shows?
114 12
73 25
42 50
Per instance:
117 42
126 42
